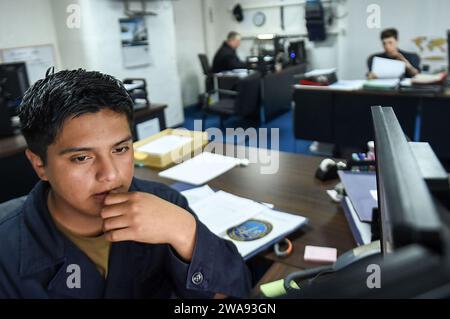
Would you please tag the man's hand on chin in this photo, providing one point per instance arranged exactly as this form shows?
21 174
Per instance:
146 218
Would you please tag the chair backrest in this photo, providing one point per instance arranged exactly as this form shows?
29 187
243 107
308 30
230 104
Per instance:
248 99
205 64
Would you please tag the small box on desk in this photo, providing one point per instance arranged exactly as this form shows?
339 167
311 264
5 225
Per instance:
168 147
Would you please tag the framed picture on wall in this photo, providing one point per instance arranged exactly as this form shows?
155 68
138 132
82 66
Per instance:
135 45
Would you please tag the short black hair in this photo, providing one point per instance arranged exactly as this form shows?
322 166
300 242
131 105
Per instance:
68 94
388 33
232 34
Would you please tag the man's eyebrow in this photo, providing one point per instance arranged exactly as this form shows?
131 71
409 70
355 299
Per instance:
128 138
84 149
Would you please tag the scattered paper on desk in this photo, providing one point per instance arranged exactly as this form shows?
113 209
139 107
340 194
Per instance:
221 211
335 196
165 144
342 85
406 82
374 194
347 85
196 194
388 68
318 72
271 206
382 83
201 169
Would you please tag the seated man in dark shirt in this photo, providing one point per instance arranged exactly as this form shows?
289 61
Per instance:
89 229
226 58
389 37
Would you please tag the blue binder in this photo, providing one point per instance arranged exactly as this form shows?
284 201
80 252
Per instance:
358 186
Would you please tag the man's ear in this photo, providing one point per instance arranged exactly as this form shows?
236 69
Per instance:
37 164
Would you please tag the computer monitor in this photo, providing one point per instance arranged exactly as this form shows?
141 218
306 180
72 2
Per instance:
14 82
414 229
297 52
407 210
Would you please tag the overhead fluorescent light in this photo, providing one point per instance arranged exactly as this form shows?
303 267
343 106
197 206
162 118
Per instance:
265 36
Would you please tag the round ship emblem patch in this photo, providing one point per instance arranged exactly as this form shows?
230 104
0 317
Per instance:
251 229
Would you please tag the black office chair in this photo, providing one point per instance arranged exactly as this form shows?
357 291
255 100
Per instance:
245 101
207 71
138 92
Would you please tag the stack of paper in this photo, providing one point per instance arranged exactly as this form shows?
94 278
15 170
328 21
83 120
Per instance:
382 84
241 73
220 211
342 85
165 144
318 72
429 78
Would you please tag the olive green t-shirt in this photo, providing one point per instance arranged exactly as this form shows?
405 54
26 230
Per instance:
96 248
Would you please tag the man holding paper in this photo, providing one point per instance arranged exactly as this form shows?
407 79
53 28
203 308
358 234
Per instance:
389 38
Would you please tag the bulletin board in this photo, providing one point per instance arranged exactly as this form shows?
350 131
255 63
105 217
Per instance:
37 59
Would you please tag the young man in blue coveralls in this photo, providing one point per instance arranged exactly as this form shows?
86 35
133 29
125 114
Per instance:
89 229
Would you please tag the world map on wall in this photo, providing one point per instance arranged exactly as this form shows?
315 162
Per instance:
431 49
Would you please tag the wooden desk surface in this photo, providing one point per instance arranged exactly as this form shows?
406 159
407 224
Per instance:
276 271
293 189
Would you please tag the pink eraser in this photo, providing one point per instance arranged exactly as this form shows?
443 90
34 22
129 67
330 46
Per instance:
320 254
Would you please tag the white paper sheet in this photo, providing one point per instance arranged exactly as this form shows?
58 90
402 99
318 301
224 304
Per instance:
222 210
165 144
201 169
388 68
194 195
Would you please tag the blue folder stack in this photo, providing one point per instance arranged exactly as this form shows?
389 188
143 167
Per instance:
359 203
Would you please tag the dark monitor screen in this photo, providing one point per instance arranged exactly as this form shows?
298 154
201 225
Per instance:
14 82
297 52
407 211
